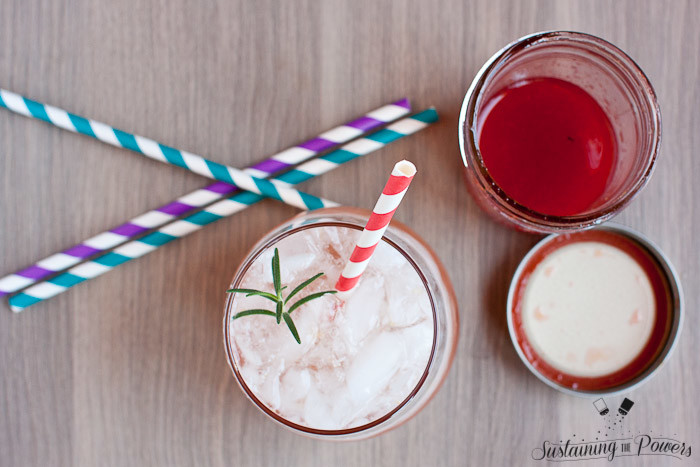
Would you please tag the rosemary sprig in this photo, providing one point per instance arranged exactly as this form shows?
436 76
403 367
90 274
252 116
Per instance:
281 311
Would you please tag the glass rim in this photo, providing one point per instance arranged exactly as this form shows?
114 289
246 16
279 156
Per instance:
471 154
259 248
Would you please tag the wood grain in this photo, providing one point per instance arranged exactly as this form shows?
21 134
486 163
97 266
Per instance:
129 369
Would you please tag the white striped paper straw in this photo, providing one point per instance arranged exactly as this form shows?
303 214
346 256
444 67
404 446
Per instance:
160 152
224 208
190 202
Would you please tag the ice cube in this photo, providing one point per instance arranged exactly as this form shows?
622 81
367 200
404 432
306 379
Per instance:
409 303
265 262
335 249
291 266
418 340
285 344
403 312
373 367
296 383
250 336
317 411
269 391
387 257
341 411
329 352
251 376
363 310
243 302
403 382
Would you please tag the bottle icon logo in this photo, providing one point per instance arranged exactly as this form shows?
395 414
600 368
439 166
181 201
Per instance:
625 407
601 406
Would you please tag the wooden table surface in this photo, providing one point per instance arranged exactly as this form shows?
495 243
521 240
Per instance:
129 369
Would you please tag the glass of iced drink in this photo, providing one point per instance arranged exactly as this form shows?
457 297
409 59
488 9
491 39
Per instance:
368 360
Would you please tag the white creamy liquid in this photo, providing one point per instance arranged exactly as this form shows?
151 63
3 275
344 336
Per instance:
588 309
360 356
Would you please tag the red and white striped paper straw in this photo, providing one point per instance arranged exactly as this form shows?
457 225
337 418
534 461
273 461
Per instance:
383 211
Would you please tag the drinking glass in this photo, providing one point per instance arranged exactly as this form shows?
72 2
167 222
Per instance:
437 285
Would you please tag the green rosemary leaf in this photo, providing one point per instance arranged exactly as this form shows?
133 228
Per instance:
253 312
280 308
276 274
308 298
301 286
244 291
267 295
290 325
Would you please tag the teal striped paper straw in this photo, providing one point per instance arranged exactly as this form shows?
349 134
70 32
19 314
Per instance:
161 152
44 290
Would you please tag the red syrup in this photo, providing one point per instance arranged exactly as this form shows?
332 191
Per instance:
548 145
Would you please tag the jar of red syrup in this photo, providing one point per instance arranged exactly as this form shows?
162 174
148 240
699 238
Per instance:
559 131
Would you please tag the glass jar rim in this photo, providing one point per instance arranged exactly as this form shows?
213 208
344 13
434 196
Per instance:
668 275
471 154
259 248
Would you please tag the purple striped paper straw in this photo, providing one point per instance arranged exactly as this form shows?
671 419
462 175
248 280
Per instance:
198 198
